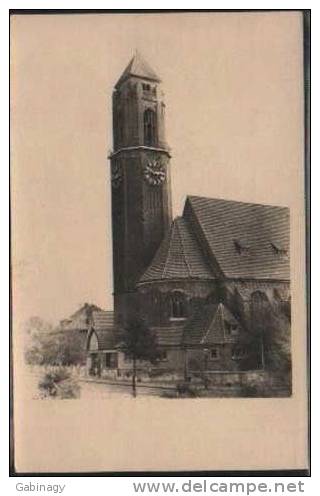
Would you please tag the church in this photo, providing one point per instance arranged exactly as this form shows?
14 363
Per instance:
205 281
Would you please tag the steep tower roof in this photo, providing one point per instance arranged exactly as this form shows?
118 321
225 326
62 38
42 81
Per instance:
138 67
179 256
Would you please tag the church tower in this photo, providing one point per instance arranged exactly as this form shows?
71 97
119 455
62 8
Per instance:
140 176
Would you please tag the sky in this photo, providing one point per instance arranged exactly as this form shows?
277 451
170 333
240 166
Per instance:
234 121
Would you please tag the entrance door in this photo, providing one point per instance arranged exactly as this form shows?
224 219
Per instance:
95 368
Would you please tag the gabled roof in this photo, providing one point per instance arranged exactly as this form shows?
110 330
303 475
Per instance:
103 325
208 325
138 67
179 256
107 339
241 237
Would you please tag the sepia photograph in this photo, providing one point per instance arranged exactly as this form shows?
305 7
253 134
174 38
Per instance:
158 240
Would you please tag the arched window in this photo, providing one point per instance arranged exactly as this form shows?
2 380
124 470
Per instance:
277 296
149 127
178 305
260 310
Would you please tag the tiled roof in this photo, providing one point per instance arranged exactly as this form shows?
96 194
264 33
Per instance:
107 339
247 240
169 335
108 334
179 256
207 326
102 319
140 68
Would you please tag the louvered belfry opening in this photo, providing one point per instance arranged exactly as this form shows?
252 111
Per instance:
149 128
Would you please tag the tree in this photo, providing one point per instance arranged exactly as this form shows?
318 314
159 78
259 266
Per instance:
272 335
139 344
71 347
37 337
278 346
46 346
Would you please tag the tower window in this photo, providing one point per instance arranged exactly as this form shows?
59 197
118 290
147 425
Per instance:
178 305
146 87
120 126
149 127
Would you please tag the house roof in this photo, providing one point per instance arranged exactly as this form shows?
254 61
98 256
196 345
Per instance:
80 319
179 256
246 240
103 319
138 67
108 334
107 339
169 335
208 325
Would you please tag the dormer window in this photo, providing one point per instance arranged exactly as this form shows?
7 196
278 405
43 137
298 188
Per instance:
241 248
282 252
231 329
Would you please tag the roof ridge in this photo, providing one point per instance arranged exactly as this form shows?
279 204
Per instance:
221 309
226 200
183 249
170 236
209 326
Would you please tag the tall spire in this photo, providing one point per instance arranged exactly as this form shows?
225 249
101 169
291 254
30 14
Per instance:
138 67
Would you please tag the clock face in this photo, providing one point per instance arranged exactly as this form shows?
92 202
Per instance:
154 172
116 175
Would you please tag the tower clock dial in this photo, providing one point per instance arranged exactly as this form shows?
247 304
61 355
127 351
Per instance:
154 172
116 175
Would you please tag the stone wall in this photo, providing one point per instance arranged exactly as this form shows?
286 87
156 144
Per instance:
155 298
200 360
236 294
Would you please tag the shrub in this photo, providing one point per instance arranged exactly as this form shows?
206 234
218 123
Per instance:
153 373
59 384
185 390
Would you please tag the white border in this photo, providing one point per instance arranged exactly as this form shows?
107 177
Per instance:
79 486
